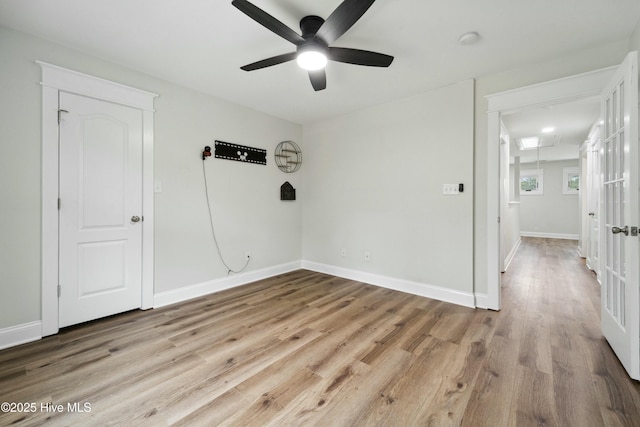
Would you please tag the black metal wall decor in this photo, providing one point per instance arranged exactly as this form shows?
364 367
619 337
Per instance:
240 153
287 192
288 156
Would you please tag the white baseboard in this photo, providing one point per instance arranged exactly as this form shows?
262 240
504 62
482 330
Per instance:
185 293
429 291
20 334
511 254
549 235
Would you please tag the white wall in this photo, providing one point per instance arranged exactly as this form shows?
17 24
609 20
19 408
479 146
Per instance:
246 198
634 41
551 214
373 182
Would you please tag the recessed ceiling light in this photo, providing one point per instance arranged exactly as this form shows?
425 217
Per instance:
548 129
469 38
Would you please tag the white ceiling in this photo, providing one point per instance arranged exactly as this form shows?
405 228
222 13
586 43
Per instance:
202 43
572 122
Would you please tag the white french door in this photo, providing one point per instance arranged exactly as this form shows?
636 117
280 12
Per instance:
100 214
620 242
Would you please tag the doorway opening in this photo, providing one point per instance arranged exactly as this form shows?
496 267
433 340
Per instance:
571 89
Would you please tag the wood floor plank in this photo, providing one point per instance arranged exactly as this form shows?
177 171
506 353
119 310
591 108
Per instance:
410 399
214 379
307 348
535 346
492 396
319 397
572 386
355 406
273 402
534 404
216 411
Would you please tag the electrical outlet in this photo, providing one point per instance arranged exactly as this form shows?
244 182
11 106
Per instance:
367 256
247 255
343 252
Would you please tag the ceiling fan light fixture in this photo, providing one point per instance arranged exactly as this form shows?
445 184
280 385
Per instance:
311 60
313 49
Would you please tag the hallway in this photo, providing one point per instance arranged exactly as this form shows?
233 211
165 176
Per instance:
564 369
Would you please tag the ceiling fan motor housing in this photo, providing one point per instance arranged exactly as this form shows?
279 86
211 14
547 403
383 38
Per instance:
310 26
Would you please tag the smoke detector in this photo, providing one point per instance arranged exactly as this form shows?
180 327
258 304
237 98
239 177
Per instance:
469 38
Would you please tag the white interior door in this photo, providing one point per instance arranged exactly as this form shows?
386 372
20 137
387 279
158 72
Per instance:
100 209
594 180
620 296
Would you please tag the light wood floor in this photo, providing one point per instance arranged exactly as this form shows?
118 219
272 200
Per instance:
310 349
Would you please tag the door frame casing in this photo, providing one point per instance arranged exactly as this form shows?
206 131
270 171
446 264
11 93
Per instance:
54 80
552 92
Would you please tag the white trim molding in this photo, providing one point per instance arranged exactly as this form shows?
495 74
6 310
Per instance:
512 253
421 289
54 80
71 81
20 334
482 301
185 293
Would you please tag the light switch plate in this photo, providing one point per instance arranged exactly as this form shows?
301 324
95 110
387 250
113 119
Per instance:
450 189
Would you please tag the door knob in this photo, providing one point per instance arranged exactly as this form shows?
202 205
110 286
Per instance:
135 218
592 214
617 230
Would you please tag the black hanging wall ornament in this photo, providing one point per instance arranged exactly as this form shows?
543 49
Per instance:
240 153
287 192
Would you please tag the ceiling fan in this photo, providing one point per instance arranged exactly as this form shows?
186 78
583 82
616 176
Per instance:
313 48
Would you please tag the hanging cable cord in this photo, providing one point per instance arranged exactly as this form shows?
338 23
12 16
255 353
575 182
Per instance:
213 231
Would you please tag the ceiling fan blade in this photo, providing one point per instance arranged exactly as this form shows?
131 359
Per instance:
268 21
342 19
275 60
359 57
318 79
